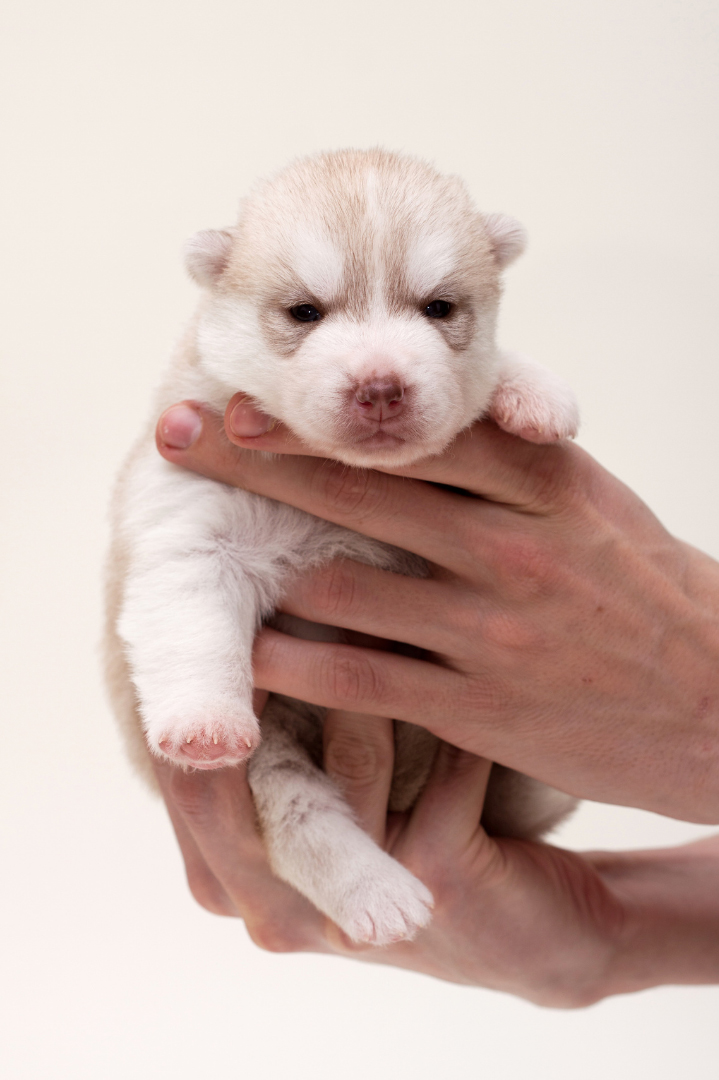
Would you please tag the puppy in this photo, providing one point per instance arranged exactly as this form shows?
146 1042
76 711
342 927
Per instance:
355 301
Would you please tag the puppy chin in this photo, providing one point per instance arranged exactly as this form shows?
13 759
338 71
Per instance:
389 446
389 452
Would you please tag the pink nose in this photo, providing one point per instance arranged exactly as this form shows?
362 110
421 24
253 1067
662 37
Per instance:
379 399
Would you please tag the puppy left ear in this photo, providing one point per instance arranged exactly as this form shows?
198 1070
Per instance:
507 236
207 254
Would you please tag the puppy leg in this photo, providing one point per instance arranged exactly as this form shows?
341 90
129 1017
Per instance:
315 845
532 402
188 620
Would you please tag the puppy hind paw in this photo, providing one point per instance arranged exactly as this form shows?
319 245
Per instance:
386 908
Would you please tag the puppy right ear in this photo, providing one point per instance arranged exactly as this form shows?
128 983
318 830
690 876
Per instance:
207 254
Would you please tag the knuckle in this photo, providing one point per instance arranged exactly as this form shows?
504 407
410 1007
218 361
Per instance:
271 935
207 891
192 795
340 943
483 696
355 759
466 535
351 678
334 590
467 620
530 563
354 492
505 631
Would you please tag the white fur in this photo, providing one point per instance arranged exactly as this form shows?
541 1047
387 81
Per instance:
203 564
430 260
329 858
532 402
318 263
206 255
509 237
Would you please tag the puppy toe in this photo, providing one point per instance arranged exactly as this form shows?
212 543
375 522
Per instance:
392 907
212 742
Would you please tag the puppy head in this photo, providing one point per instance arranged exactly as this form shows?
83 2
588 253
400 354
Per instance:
356 301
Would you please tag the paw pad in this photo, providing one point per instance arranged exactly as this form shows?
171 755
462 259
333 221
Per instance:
209 745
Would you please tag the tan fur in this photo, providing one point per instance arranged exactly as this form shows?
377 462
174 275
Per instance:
408 193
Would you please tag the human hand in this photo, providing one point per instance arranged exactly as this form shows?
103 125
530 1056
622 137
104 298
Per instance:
569 635
549 925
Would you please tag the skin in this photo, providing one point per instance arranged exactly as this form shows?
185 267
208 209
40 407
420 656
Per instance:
566 634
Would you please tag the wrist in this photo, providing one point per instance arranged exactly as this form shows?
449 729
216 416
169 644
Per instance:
669 932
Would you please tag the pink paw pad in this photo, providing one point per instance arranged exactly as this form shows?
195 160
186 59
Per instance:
532 434
205 748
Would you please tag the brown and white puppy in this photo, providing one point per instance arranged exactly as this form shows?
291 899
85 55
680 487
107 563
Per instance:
356 301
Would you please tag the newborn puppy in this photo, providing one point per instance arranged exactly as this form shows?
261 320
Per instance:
355 301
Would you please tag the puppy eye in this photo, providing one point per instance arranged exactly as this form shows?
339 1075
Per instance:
438 309
305 313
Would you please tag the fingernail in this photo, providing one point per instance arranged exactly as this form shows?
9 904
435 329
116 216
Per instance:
180 426
247 422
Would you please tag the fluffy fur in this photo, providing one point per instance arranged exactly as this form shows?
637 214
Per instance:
369 239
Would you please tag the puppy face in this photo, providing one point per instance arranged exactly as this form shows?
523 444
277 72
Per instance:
356 301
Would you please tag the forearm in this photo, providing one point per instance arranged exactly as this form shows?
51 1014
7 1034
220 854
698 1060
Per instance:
670 933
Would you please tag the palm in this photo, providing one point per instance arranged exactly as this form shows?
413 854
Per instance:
514 915
537 925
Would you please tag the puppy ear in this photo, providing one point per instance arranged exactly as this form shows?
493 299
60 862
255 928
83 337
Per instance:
508 237
207 254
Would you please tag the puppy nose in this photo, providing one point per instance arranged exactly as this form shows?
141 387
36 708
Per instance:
379 399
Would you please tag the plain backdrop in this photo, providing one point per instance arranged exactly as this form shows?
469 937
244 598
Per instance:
127 127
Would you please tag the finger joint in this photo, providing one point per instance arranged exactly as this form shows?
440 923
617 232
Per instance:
355 758
352 679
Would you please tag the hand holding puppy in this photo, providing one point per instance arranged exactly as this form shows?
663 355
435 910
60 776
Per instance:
553 926
548 621
573 637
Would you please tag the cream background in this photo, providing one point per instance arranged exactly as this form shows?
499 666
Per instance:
127 127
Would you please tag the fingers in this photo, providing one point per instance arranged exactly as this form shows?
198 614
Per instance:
355 680
374 683
215 810
358 597
487 462
447 814
204 886
359 757
482 459
441 526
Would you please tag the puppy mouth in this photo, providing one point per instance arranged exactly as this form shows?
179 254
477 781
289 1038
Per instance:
383 445
379 440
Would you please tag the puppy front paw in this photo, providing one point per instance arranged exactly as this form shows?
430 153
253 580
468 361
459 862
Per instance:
535 404
213 739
